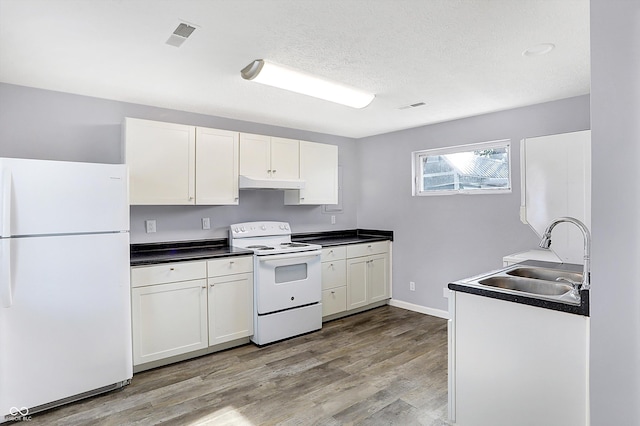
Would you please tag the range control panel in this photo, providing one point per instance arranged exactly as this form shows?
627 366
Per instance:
259 229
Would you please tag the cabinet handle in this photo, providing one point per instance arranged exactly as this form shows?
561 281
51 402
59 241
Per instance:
330 251
331 264
333 292
210 285
172 269
204 286
369 246
269 171
273 171
231 262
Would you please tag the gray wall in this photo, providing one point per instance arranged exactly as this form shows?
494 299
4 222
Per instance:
438 239
615 124
51 125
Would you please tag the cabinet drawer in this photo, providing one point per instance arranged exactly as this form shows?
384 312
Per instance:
167 273
334 274
333 253
230 265
334 301
358 250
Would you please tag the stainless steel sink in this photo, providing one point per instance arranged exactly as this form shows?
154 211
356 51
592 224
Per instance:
530 281
545 274
527 285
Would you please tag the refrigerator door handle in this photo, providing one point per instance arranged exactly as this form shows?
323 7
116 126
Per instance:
6 298
6 185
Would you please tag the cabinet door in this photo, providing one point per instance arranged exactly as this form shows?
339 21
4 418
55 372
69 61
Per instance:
161 161
216 166
357 282
506 356
285 158
378 277
168 320
319 170
230 307
255 155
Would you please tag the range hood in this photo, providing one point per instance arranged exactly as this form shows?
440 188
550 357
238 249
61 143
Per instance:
247 182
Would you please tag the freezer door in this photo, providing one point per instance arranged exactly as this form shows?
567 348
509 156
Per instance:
68 329
57 197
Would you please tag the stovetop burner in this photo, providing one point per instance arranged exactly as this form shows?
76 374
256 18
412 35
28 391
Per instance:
266 238
294 244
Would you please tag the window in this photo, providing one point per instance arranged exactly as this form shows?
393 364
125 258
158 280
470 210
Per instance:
482 168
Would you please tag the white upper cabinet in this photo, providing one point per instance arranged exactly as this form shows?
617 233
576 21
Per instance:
556 182
216 166
161 160
173 164
266 157
176 164
319 171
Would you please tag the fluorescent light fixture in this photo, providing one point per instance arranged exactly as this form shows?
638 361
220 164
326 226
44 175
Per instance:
286 78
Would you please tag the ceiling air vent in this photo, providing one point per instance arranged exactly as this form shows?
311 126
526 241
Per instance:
416 105
180 35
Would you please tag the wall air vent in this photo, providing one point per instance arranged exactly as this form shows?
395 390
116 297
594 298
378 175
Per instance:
416 105
180 35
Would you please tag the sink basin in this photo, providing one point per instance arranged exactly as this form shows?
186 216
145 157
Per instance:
545 274
527 285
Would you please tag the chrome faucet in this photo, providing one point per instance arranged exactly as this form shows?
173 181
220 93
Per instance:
545 243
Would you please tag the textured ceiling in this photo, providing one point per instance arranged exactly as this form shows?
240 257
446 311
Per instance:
460 57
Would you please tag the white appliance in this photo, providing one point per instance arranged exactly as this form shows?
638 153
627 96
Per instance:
287 280
65 317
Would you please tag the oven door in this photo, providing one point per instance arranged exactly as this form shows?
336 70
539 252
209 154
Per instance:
285 281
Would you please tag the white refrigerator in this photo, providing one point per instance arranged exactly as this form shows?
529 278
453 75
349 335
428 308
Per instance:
65 317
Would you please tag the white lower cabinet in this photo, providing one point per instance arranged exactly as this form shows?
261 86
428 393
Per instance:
169 310
230 307
334 280
355 276
179 307
514 364
368 278
168 320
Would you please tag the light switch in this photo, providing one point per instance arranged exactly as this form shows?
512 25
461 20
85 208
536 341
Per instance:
150 225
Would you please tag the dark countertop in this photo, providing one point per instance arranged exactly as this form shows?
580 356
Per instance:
582 309
181 251
337 238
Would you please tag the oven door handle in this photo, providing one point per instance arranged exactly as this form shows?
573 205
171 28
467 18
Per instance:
309 254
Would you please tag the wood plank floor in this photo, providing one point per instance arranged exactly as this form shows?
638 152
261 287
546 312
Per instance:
386 366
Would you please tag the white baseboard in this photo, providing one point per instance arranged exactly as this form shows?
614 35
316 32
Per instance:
418 308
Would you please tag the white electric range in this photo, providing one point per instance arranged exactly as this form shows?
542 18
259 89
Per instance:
287 280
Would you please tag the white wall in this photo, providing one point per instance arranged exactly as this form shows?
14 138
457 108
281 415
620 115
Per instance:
615 294
439 239
51 125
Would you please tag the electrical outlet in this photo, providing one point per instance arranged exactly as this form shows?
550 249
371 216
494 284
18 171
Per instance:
333 219
412 286
206 223
150 225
